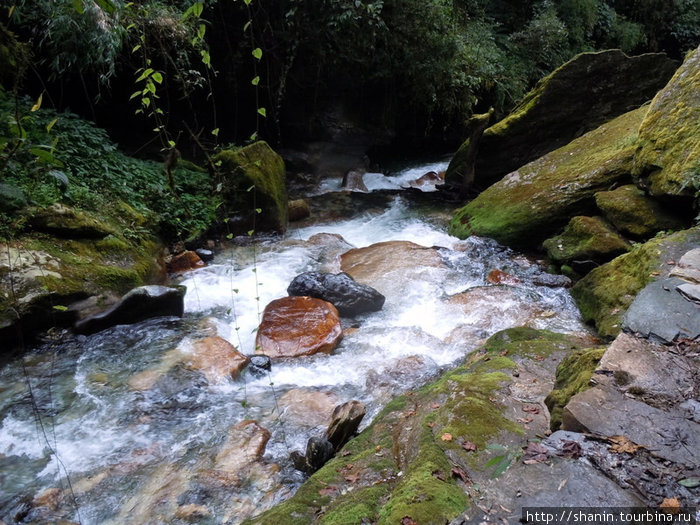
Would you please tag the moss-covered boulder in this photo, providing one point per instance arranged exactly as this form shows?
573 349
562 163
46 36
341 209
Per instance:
635 214
579 96
668 161
540 198
64 221
254 187
425 453
605 294
586 238
573 376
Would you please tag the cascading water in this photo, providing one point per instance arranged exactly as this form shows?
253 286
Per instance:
143 437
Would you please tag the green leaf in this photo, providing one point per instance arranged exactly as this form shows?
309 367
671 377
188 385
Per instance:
258 210
255 81
206 58
157 77
145 74
136 48
247 2
78 6
246 26
251 188
254 136
215 132
491 462
501 468
60 307
257 53
262 111
107 5
251 232
51 125
201 30
690 483
36 106
229 236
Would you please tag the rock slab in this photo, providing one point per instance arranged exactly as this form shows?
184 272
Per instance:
347 295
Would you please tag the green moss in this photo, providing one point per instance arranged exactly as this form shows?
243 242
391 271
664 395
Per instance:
632 212
533 202
361 504
604 295
254 178
524 341
667 160
573 376
586 238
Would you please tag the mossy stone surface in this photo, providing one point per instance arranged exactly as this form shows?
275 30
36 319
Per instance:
605 294
537 200
402 464
573 376
668 161
586 238
635 214
253 179
579 96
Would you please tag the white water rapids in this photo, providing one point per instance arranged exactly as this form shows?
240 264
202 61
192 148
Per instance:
138 454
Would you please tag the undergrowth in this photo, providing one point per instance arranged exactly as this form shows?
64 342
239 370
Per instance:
61 158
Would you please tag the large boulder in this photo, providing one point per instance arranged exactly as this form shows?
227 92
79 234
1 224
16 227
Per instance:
586 238
254 188
64 221
139 304
579 96
347 295
538 199
216 358
606 293
298 326
667 161
634 213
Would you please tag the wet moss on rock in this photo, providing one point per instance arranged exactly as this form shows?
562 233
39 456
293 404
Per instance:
537 200
573 376
586 238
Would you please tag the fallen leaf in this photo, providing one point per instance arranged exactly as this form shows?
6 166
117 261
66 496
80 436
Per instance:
431 424
504 352
539 357
535 453
327 491
352 478
457 472
410 413
435 405
524 420
446 436
469 446
690 483
623 445
670 505
563 482
532 409
438 474
345 453
671 262
571 449
408 520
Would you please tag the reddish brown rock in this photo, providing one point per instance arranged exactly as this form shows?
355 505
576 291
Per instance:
298 326
499 277
185 261
216 358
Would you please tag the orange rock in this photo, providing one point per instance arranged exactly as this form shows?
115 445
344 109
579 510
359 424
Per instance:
185 261
216 358
499 277
298 326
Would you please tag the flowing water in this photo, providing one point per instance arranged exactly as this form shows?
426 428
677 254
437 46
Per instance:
112 428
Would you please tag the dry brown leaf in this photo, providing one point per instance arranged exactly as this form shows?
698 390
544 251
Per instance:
408 520
431 424
435 405
622 445
535 453
446 436
352 478
524 420
438 474
458 472
328 491
571 449
532 409
539 357
504 352
670 505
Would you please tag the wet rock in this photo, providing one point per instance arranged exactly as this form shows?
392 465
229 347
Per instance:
635 214
216 358
390 266
309 408
662 312
552 280
205 254
586 238
260 365
259 166
563 106
345 420
140 303
318 452
499 277
353 181
347 295
192 513
430 179
185 261
521 209
63 221
299 209
669 132
298 326
244 445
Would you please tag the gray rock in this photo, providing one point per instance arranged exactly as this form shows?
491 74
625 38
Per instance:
341 290
259 365
661 312
140 303
345 420
353 181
